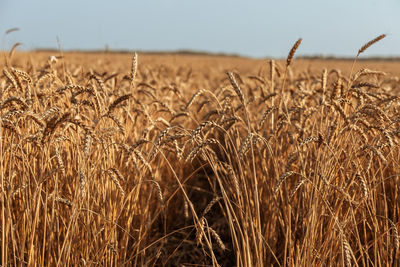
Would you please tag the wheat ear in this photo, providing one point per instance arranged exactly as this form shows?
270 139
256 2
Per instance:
362 50
134 69
292 52
370 43
289 60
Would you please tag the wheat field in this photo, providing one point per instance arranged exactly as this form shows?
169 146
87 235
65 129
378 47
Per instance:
184 160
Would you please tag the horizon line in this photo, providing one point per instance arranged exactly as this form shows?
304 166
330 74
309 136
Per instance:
194 52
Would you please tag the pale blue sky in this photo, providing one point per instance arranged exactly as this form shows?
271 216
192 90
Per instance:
251 28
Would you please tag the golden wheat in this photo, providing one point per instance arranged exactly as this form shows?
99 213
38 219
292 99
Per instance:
117 163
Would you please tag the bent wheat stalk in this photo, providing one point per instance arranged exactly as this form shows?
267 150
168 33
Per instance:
362 50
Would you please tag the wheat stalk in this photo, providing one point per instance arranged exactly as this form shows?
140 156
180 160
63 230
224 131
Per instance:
281 179
361 50
217 238
194 96
396 238
272 74
297 186
363 184
60 161
370 43
347 250
200 230
12 51
265 115
292 52
118 101
112 174
194 152
134 69
159 191
82 183
210 205
64 201
236 87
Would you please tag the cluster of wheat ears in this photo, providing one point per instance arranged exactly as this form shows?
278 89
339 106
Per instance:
140 169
